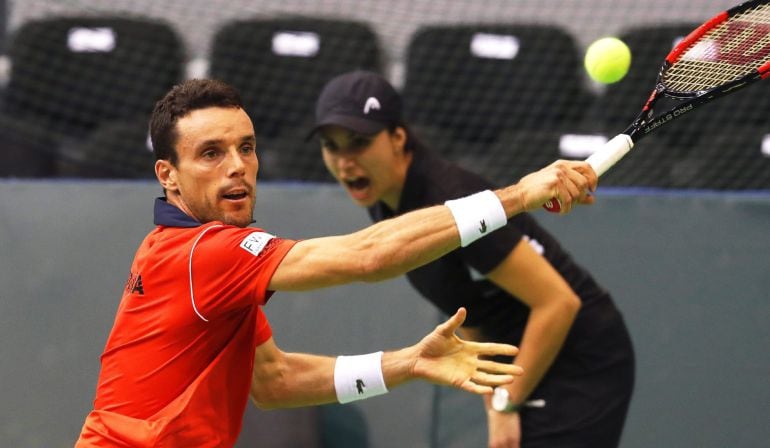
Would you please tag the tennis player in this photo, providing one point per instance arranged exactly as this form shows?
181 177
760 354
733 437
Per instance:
190 342
518 285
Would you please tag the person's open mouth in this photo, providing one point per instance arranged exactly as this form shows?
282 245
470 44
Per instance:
236 195
358 183
358 187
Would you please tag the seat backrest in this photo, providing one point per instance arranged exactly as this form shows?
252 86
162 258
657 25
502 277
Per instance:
281 65
73 73
26 150
734 159
478 80
119 150
512 156
3 24
290 157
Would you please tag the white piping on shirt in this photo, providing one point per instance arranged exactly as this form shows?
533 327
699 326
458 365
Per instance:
192 295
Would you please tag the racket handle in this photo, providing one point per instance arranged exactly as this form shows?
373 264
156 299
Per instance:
601 161
609 154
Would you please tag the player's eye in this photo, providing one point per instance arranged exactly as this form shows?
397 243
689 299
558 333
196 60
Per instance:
209 153
247 148
328 144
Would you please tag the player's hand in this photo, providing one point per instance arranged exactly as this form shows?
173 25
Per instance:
569 181
443 358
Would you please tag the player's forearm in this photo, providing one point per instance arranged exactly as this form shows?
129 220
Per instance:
401 244
398 245
384 250
308 380
544 335
300 380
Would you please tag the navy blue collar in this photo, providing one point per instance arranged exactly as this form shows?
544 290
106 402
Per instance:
170 216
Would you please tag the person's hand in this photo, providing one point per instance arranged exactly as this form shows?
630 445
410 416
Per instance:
443 358
569 181
504 429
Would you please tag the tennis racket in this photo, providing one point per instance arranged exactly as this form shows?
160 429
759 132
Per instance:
725 54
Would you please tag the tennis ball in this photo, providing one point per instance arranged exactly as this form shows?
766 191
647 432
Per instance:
607 60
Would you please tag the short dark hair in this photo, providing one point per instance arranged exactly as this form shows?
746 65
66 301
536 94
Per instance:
182 99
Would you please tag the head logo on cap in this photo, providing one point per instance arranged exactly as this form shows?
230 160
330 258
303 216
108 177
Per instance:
360 101
371 103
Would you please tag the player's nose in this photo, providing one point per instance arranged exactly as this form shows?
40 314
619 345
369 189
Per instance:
235 162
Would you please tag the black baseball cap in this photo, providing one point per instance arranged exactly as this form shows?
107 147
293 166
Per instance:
361 101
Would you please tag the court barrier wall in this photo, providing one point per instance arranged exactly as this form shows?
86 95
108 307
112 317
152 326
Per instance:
691 274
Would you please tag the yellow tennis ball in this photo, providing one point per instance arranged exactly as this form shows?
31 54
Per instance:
607 60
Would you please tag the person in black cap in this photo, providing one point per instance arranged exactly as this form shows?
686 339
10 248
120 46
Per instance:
518 284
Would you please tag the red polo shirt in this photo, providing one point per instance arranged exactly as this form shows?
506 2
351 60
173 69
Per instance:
176 369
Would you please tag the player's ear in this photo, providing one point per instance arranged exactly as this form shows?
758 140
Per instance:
166 174
398 137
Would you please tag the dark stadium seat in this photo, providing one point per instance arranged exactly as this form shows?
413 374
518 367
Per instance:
656 162
503 161
517 153
26 150
71 74
3 24
476 81
737 158
119 149
290 157
280 65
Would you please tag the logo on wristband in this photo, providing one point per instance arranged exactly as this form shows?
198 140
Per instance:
360 386
483 226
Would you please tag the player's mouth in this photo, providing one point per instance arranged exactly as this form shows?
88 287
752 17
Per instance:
358 187
236 195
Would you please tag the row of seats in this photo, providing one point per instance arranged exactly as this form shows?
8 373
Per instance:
719 159
88 84
502 99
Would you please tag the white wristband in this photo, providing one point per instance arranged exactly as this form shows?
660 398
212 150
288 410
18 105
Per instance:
477 215
359 377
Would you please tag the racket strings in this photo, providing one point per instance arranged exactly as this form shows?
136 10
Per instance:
729 51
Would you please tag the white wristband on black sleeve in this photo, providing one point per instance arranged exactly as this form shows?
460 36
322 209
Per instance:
477 215
359 377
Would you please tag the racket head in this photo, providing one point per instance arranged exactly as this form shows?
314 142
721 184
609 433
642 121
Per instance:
728 50
723 55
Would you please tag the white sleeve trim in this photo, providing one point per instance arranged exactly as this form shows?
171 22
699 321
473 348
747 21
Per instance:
190 270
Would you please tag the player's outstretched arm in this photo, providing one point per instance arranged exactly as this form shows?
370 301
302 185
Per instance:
395 246
281 379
